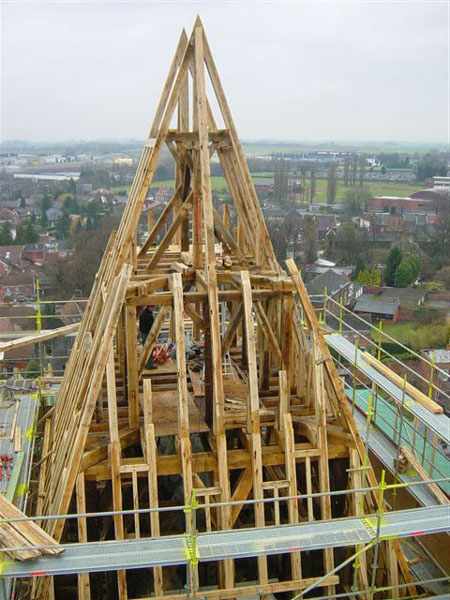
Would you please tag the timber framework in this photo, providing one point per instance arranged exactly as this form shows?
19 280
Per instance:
252 435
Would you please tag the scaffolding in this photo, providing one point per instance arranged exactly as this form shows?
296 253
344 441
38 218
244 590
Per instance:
254 478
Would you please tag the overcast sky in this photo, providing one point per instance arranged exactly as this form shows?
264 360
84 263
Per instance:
305 71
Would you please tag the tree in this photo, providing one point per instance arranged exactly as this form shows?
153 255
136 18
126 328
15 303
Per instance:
393 260
347 169
78 272
72 186
414 262
362 170
6 238
20 236
348 242
431 164
43 220
404 274
46 202
356 200
353 170
443 275
280 182
70 205
369 277
32 370
310 239
62 226
312 191
359 266
331 184
31 235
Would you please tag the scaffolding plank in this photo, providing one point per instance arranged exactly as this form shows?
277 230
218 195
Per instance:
170 550
438 424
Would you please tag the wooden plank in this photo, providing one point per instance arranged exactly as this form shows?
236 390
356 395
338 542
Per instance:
233 324
200 296
152 337
27 532
183 397
433 487
291 476
115 462
254 590
268 332
167 239
84 588
416 394
132 371
43 336
211 277
253 426
283 400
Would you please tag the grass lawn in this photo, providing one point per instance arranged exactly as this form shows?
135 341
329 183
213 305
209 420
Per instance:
218 184
414 335
378 188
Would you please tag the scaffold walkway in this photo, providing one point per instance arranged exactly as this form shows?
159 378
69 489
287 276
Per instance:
386 451
177 550
437 423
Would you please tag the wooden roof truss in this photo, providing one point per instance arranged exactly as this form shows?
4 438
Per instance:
269 417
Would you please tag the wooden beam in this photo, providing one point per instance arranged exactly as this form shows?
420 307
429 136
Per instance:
150 340
38 337
253 426
211 277
84 588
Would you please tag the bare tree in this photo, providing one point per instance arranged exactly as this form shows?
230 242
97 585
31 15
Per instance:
362 169
280 183
331 184
347 169
312 191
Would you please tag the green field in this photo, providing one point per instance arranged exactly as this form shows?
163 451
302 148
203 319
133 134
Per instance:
414 335
377 188
266 149
218 185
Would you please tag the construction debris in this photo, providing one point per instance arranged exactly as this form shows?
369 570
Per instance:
23 540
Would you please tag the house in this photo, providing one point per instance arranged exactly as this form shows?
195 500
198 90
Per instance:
396 204
410 299
12 204
8 215
35 253
322 266
379 309
72 311
274 214
20 287
53 214
164 194
325 224
12 257
337 286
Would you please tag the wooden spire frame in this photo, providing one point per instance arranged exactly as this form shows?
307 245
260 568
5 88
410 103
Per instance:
265 425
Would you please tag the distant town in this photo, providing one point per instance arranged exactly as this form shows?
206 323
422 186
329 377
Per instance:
370 231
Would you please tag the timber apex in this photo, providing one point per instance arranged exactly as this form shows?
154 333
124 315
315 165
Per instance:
259 412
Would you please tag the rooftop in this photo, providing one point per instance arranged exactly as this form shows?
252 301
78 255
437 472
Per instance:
440 355
373 303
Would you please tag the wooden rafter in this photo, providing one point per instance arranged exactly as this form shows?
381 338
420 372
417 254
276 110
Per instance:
256 418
